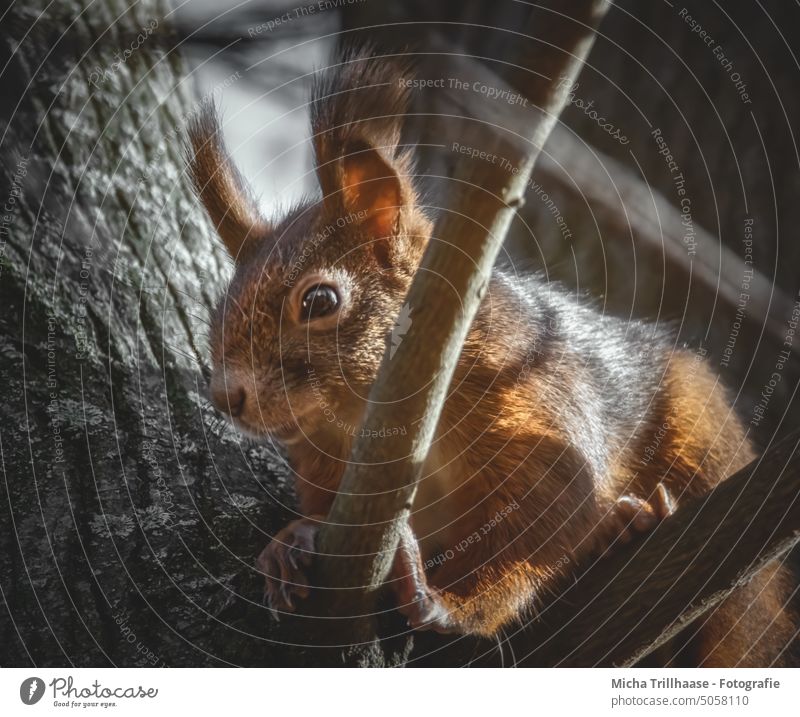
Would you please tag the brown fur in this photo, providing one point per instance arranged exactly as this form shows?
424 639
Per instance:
225 194
555 413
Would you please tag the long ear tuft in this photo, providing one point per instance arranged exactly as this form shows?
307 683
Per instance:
357 110
220 186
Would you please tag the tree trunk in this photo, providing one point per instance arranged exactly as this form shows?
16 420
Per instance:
130 513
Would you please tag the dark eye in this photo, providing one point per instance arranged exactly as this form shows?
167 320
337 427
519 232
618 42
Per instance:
320 300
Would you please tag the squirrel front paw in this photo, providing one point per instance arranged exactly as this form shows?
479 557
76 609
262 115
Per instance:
419 603
628 517
284 563
426 611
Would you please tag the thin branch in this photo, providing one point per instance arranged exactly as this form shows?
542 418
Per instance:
409 392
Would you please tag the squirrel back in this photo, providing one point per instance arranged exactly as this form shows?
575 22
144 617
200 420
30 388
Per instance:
558 420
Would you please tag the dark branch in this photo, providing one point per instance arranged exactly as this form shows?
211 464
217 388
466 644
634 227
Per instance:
629 604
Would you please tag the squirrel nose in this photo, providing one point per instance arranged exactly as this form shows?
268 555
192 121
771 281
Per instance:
228 397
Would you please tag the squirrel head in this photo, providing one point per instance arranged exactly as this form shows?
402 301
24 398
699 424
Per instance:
297 338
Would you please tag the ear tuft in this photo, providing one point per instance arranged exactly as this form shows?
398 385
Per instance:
358 106
221 188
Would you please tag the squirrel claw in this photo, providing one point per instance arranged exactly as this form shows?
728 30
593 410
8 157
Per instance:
280 562
630 516
421 605
427 612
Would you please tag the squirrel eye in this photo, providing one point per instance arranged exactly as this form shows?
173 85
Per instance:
320 300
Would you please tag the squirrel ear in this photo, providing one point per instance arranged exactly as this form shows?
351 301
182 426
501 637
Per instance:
223 191
358 105
371 190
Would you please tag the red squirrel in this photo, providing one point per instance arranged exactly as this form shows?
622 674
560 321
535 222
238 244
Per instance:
565 430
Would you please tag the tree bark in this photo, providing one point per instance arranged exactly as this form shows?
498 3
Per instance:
130 515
